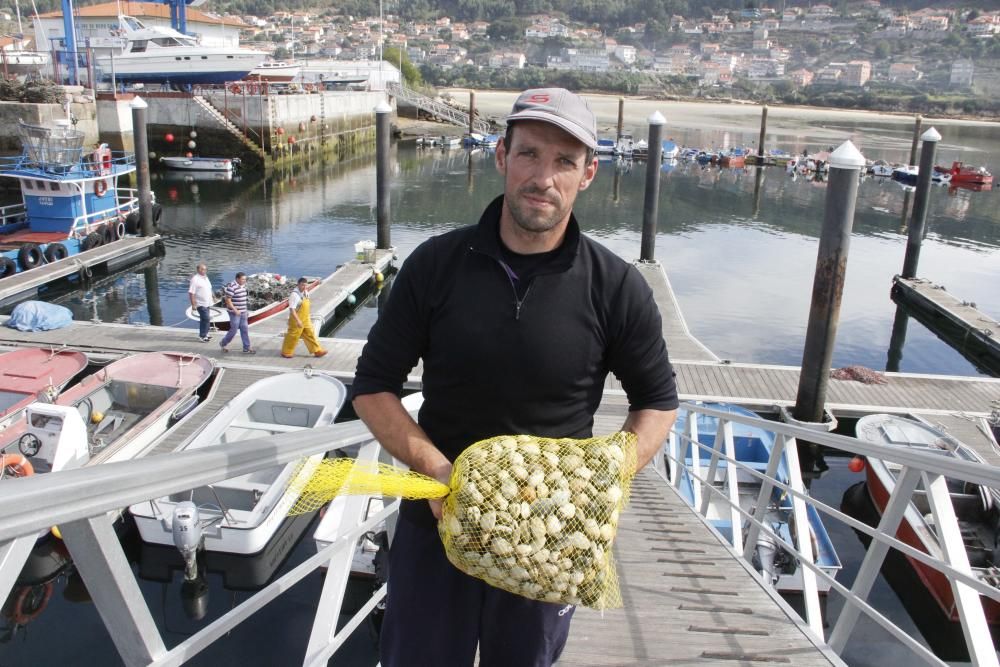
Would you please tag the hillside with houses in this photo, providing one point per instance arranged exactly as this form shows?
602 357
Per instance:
896 56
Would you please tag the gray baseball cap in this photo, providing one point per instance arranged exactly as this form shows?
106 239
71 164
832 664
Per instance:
560 107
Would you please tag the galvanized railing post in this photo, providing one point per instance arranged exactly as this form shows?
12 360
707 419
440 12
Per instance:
713 465
695 457
803 543
733 484
764 497
906 482
949 537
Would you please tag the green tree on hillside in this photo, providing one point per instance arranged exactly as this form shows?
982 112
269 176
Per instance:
411 75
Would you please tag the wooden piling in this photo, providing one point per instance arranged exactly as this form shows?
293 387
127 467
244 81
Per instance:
917 122
621 116
763 133
652 198
472 111
828 283
141 142
918 221
382 137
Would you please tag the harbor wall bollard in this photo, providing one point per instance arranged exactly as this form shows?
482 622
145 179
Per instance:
651 201
828 283
917 122
141 140
763 132
382 138
621 116
918 220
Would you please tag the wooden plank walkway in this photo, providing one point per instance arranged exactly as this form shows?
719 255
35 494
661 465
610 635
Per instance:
687 601
26 285
973 333
680 343
332 292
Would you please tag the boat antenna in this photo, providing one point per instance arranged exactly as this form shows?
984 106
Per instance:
17 8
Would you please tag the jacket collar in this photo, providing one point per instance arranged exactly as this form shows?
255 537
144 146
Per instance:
487 237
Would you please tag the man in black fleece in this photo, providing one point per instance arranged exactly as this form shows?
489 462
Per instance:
518 320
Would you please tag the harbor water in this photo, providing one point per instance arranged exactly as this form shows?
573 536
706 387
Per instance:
739 247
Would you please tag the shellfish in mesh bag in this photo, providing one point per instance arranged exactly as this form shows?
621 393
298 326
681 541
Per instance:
533 516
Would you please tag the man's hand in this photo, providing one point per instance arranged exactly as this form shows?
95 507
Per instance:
443 475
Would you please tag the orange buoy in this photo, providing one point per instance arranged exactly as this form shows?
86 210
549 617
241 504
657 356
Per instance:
18 464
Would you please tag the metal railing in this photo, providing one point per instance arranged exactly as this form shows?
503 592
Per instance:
720 482
83 501
432 106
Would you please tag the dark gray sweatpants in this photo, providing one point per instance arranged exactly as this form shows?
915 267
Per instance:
436 615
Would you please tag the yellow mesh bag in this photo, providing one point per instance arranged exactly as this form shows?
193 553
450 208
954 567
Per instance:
533 516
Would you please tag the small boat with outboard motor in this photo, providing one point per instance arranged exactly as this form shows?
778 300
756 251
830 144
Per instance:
111 415
242 514
32 373
70 198
183 163
753 445
977 508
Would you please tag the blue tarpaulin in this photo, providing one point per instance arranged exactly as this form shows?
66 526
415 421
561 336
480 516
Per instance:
39 316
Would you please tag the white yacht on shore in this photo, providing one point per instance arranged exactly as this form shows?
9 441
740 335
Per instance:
163 55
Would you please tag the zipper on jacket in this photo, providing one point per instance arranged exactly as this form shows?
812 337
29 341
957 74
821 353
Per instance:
511 278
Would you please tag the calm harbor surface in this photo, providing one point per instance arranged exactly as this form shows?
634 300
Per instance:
741 266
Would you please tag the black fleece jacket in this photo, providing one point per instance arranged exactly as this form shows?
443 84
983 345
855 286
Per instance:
496 364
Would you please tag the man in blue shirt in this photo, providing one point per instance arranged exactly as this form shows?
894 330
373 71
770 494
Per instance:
234 295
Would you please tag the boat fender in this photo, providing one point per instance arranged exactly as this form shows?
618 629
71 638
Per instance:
100 187
30 602
18 464
132 222
56 251
29 256
107 234
117 229
92 240
184 408
84 274
157 214
159 248
7 267
234 89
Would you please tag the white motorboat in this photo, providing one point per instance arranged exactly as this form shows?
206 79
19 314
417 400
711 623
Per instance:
275 71
242 514
23 62
163 55
226 165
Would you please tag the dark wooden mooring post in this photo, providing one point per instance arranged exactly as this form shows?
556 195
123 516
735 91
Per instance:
828 283
472 111
763 133
141 142
621 116
652 199
382 138
918 221
917 122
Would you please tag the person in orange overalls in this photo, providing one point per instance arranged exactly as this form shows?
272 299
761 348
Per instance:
299 323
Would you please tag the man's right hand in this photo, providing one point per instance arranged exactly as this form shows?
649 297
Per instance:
443 475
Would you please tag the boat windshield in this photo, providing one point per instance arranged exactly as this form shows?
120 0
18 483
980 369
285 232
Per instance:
9 399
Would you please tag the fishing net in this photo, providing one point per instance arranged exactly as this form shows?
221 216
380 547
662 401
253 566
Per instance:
533 516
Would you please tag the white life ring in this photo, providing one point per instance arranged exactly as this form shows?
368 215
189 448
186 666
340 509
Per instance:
100 187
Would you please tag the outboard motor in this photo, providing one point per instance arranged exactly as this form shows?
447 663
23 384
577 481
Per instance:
56 438
186 528
766 553
194 598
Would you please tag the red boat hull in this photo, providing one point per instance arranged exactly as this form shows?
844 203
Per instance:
935 582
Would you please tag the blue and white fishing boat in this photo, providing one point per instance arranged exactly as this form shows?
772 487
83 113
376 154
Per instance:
605 147
753 447
71 201
670 150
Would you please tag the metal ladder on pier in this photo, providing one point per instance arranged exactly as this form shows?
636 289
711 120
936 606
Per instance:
435 108
229 125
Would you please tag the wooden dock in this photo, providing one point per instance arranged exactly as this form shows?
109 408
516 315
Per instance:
331 293
974 334
680 343
102 259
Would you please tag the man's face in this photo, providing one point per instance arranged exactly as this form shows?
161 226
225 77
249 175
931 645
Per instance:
202 269
242 280
544 169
